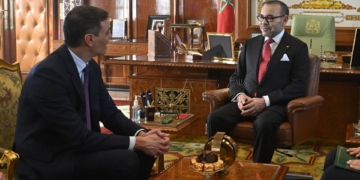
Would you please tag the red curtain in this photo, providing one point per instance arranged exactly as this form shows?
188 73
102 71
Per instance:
226 16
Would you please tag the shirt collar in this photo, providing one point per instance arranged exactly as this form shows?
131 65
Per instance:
80 64
277 38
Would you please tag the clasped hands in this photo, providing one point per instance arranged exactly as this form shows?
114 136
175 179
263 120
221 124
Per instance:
355 164
250 106
153 143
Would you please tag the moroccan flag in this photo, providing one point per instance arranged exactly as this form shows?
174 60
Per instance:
226 16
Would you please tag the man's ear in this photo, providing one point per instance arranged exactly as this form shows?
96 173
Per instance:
286 19
89 39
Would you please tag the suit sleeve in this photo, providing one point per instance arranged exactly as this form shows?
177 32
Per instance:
236 84
112 118
299 76
51 96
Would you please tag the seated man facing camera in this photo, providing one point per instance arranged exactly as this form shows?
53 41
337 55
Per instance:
272 70
60 106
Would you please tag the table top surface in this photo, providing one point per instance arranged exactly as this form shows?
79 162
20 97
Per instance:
239 170
337 67
176 125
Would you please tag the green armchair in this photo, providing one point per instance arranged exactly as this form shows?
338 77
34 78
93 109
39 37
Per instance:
319 30
10 88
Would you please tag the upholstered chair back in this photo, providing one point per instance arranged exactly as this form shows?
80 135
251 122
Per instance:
10 88
315 31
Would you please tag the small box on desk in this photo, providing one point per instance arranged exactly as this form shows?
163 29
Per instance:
158 45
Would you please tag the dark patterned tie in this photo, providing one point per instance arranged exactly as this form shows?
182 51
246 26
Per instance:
86 92
265 58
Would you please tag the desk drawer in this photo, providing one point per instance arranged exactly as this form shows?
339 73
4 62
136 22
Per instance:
115 49
139 48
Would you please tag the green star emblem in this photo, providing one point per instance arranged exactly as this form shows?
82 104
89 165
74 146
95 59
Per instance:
224 3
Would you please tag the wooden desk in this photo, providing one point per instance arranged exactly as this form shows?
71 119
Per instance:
339 85
192 75
180 170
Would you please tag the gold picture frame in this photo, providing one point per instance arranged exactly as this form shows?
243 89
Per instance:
226 42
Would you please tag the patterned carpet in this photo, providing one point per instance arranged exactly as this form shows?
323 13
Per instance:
307 159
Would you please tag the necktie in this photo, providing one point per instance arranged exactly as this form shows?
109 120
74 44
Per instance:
86 92
265 58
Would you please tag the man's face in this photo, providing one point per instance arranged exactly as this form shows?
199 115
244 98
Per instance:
100 41
271 29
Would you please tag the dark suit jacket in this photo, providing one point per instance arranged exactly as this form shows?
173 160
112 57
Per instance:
50 127
283 80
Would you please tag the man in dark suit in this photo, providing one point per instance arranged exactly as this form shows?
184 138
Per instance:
54 138
263 98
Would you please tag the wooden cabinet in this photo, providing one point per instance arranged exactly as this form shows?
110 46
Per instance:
118 75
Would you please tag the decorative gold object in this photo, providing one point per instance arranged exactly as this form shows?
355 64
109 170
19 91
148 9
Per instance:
321 4
312 26
172 100
223 145
9 160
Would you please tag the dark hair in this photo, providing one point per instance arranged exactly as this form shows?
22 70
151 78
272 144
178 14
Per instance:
284 7
82 20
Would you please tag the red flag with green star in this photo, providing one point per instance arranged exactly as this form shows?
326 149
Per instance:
226 16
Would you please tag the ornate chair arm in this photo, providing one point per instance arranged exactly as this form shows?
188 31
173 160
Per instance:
304 103
216 98
10 159
303 115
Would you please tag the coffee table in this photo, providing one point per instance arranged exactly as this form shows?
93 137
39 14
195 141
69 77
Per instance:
180 170
175 126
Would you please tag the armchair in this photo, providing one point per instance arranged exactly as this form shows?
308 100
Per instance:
320 30
10 88
303 112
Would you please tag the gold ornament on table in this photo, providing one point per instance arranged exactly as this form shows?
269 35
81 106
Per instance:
219 154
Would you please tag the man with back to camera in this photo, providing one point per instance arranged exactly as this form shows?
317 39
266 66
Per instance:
272 70
54 136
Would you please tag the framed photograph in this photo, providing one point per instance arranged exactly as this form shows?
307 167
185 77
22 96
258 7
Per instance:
226 42
154 21
118 28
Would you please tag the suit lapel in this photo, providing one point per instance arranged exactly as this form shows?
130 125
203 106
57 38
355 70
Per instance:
281 49
71 68
256 53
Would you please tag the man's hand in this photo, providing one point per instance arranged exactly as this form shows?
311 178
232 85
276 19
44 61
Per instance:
153 143
243 99
2 177
252 107
355 164
354 151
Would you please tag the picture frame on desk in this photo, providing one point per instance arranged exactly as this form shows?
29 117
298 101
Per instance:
118 28
153 23
225 40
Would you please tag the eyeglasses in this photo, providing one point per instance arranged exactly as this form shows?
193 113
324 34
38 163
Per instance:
267 18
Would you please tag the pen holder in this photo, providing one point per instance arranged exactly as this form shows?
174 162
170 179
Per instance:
142 113
149 113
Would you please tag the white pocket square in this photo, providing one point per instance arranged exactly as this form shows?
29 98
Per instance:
285 58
